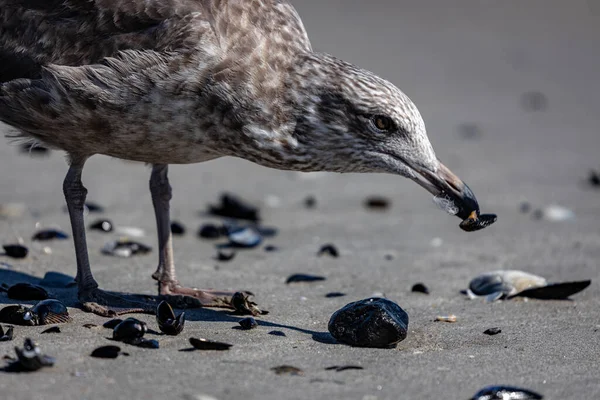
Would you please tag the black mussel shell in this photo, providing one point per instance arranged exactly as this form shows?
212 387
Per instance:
246 238
129 329
340 368
243 306
210 231
233 207
296 278
492 331
472 224
52 329
30 357
420 288
506 393
27 291
6 335
103 225
177 228
167 321
205 344
287 370
377 203
15 250
330 250
277 333
554 291
49 312
49 234
112 323
107 352
248 323
15 315
332 295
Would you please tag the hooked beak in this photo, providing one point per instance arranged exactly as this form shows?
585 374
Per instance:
444 184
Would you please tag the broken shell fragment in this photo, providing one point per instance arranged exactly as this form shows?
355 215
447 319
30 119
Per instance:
48 312
6 335
49 234
205 344
296 278
420 288
476 222
27 291
373 322
340 368
492 331
107 352
177 228
243 306
15 250
52 329
329 249
446 318
248 323
30 357
125 248
506 393
225 255
287 370
167 322
332 295
377 203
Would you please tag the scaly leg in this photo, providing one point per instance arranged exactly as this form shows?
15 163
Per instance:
93 299
168 285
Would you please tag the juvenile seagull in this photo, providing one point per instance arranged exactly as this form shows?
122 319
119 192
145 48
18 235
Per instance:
186 81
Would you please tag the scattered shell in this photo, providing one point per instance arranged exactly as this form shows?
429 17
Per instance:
340 368
277 333
15 250
12 210
445 318
103 225
506 393
30 358
7 335
476 222
373 322
270 248
205 344
555 291
167 321
225 255
420 288
492 331
90 326
310 202
125 248
332 295
15 315
26 291
49 234
243 306
107 352
48 312
244 238
177 228
534 101
210 231
304 278
377 203
233 207
129 330
57 280
248 323
554 213
287 370
52 329
329 249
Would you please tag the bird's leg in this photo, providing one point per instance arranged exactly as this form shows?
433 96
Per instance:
168 285
93 299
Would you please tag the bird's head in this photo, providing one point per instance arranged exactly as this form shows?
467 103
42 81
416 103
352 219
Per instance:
350 120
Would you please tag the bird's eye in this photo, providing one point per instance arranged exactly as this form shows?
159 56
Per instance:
382 124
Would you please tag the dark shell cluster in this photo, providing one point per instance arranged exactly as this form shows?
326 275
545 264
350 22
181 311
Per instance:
46 312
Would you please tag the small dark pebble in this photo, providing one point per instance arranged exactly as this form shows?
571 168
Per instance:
103 225
49 234
506 393
210 231
534 101
233 207
492 331
310 202
469 130
112 323
374 322
277 333
107 352
525 207
26 291
270 248
248 323
6 335
296 278
330 250
377 203
177 228
15 250
287 370
420 288
332 295
340 368
245 238
594 178
205 344
34 148
52 329
225 255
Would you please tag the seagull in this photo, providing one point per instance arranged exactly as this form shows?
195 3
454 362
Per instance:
187 81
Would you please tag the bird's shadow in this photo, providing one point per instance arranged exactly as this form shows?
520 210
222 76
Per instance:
68 296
